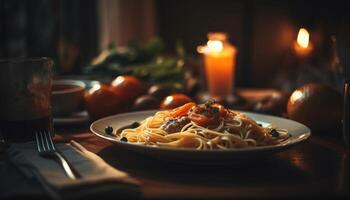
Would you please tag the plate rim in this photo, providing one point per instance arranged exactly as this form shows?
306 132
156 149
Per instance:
282 145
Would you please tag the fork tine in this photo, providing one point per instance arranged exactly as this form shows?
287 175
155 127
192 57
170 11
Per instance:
46 141
46 147
42 141
50 142
37 141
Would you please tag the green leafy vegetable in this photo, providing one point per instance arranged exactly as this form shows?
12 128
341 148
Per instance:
209 103
145 61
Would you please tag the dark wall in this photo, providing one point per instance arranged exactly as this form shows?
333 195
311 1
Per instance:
190 21
61 29
262 30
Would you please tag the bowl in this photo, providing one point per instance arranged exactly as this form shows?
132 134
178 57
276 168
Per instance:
67 97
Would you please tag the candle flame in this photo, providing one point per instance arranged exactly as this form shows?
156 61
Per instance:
303 38
215 46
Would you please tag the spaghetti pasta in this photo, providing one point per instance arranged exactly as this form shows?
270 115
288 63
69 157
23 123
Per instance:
205 126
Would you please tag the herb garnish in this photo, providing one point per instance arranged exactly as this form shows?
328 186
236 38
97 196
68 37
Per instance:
215 110
274 133
109 130
209 103
135 125
124 139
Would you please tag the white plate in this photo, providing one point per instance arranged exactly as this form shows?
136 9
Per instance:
298 133
75 118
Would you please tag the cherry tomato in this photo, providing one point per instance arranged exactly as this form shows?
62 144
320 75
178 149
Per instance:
101 101
183 110
158 91
203 120
146 102
204 115
128 88
174 101
222 110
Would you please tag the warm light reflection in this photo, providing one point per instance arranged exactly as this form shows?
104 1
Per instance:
118 81
303 38
296 96
94 88
168 100
297 159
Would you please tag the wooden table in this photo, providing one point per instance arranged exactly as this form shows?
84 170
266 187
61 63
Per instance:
317 168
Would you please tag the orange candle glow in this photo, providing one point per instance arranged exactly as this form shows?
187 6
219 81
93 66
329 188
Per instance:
302 46
219 60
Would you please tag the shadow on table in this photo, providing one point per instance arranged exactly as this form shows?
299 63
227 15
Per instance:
268 170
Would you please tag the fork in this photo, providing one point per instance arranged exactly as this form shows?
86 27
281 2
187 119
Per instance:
46 148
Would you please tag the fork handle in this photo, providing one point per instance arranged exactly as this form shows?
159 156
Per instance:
65 166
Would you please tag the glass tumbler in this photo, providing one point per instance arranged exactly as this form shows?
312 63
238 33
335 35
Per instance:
25 100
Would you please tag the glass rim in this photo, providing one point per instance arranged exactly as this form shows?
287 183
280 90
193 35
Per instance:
24 59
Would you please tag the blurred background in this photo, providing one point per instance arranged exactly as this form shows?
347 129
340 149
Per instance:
75 32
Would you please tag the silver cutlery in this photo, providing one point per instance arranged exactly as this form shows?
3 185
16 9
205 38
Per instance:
46 148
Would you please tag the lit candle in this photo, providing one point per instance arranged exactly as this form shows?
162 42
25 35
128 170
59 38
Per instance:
219 60
302 46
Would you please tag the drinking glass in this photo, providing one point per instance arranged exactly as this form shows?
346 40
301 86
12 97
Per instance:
25 99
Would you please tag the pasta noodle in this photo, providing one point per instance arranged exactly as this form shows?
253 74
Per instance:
230 130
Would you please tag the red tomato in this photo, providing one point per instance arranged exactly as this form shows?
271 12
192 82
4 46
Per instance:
203 120
101 101
206 115
222 109
174 101
128 88
146 102
183 110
